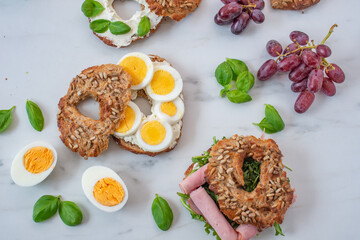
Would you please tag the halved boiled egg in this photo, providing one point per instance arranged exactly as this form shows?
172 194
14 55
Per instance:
33 164
140 67
154 135
171 111
166 84
132 121
104 188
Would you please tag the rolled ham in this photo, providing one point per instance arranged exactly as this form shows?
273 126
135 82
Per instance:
193 181
246 231
212 214
193 207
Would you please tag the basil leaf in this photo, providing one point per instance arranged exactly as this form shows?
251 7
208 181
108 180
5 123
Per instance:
70 213
118 28
245 81
5 119
144 26
237 66
237 96
45 208
162 213
91 8
35 115
265 126
100 25
224 74
225 90
273 117
278 229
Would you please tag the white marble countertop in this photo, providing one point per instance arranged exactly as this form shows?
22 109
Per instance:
43 44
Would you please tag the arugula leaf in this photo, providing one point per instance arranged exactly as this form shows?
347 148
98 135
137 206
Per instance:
251 173
201 160
278 229
288 167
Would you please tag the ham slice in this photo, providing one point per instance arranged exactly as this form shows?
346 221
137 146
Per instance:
212 214
193 181
194 207
246 231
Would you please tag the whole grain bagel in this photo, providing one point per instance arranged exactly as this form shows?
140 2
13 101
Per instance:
293 4
109 85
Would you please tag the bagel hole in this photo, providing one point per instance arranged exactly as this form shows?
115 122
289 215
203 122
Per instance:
90 108
251 172
126 8
144 105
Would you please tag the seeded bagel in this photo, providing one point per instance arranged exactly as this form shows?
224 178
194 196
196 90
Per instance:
109 85
175 9
293 4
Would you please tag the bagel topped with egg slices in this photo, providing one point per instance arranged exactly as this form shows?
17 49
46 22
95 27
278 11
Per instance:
158 82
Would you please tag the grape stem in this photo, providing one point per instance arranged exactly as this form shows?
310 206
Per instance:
329 33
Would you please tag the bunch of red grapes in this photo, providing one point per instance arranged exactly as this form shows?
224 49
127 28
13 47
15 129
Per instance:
239 13
306 64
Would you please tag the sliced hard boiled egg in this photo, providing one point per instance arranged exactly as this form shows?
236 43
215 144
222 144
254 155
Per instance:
132 121
154 135
166 84
104 188
171 112
140 67
33 164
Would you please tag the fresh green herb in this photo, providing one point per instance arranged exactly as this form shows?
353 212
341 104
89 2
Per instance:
288 167
272 122
237 96
237 67
225 90
245 81
70 213
251 173
144 26
100 25
211 193
45 208
35 115
162 213
278 229
91 8
288 179
215 141
201 160
224 74
118 28
5 119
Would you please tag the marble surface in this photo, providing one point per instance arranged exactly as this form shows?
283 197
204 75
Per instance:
43 44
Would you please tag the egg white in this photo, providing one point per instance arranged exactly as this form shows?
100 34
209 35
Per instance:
177 88
138 118
180 108
149 65
91 176
23 177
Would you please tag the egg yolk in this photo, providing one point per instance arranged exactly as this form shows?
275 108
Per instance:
136 67
153 132
162 82
127 123
108 192
169 108
38 159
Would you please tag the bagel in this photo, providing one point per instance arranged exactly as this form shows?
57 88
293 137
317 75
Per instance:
293 4
132 138
109 85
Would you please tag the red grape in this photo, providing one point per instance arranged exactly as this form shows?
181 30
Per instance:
337 75
228 1
289 63
315 80
323 51
257 16
299 37
299 86
219 21
240 23
311 59
304 101
267 70
292 47
328 87
260 4
230 11
300 72
274 48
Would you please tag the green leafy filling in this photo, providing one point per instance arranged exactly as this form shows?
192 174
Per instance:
251 172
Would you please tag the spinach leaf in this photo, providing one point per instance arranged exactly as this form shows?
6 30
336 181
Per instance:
118 28
5 119
278 229
224 74
45 207
100 25
91 8
237 66
245 81
35 115
162 213
144 26
251 173
70 213
237 96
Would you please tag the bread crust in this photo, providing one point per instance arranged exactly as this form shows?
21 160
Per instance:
110 86
293 4
174 9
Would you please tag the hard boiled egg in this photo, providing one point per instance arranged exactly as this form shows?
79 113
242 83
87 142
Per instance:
104 188
33 164
166 84
171 112
140 67
154 135
132 121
